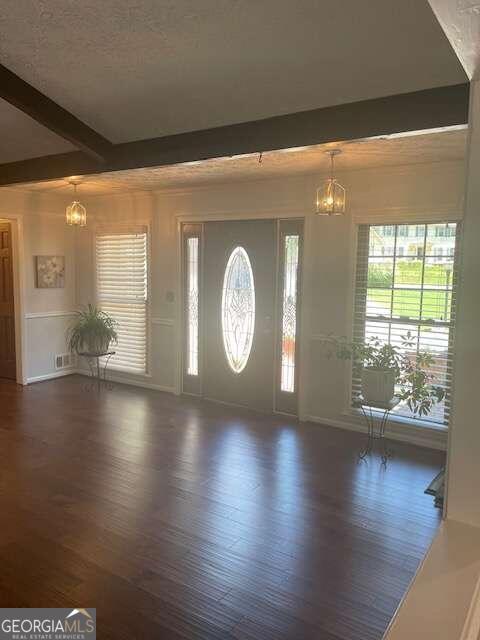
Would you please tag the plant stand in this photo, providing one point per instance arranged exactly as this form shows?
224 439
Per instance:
376 431
98 371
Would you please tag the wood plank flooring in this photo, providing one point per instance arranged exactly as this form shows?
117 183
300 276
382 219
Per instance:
178 518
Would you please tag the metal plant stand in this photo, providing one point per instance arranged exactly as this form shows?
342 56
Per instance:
376 426
98 370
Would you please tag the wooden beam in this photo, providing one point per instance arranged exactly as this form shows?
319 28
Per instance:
422 110
52 116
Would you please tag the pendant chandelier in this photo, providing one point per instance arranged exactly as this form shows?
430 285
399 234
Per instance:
76 214
331 195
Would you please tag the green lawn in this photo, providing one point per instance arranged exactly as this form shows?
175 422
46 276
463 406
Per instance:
407 303
408 272
435 304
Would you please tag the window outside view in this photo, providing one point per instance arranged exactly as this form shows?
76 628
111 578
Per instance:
410 287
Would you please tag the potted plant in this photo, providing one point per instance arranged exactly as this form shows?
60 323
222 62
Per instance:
388 371
92 331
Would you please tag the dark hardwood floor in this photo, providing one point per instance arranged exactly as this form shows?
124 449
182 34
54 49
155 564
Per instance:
178 518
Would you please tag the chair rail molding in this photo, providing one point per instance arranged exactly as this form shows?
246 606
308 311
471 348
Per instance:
49 314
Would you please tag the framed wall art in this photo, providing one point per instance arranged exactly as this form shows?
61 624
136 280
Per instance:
50 272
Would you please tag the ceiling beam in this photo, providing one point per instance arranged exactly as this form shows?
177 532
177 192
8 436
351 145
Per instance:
422 110
38 106
461 24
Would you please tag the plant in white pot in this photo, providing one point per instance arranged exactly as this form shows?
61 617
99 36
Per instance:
92 331
388 371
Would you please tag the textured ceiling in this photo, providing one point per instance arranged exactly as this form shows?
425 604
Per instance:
461 23
21 137
435 147
145 68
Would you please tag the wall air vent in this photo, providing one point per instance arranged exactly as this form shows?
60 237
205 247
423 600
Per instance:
64 361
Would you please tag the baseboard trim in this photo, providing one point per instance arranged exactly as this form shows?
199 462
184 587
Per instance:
51 376
132 382
430 440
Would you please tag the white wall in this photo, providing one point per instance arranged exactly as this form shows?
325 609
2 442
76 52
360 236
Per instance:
44 311
146 209
419 192
464 476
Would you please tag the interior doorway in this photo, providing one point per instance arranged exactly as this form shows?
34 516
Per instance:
241 306
8 368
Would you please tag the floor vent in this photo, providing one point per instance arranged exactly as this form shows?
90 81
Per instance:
64 361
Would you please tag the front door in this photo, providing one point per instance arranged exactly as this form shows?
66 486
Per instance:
239 312
7 313
241 301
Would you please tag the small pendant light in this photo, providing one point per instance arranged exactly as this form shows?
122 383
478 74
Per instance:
76 214
331 195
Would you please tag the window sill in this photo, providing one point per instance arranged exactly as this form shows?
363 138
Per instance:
400 420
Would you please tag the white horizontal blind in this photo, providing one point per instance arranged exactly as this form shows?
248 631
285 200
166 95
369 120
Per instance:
121 260
406 280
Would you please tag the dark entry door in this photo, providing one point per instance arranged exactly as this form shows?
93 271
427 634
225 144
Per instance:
239 312
7 312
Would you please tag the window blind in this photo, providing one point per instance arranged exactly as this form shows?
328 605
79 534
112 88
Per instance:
406 280
121 275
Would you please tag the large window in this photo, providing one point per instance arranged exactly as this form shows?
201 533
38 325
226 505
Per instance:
121 261
406 280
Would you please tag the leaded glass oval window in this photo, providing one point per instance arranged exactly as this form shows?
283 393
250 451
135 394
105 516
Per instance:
238 309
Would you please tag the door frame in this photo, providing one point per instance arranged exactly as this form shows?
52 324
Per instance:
18 262
182 219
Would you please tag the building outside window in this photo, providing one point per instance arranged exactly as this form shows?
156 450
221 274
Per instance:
406 282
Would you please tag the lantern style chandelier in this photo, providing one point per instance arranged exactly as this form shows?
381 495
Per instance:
331 194
76 214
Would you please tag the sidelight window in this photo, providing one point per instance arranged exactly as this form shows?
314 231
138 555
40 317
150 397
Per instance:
289 313
192 306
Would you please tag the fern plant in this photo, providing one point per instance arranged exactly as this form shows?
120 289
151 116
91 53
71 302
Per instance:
413 377
92 331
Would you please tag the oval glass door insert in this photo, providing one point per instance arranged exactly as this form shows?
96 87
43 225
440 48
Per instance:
238 309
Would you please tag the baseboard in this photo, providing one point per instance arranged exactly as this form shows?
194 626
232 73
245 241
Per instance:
112 377
430 439
51 376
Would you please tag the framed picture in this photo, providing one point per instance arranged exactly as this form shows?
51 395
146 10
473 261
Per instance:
50 272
